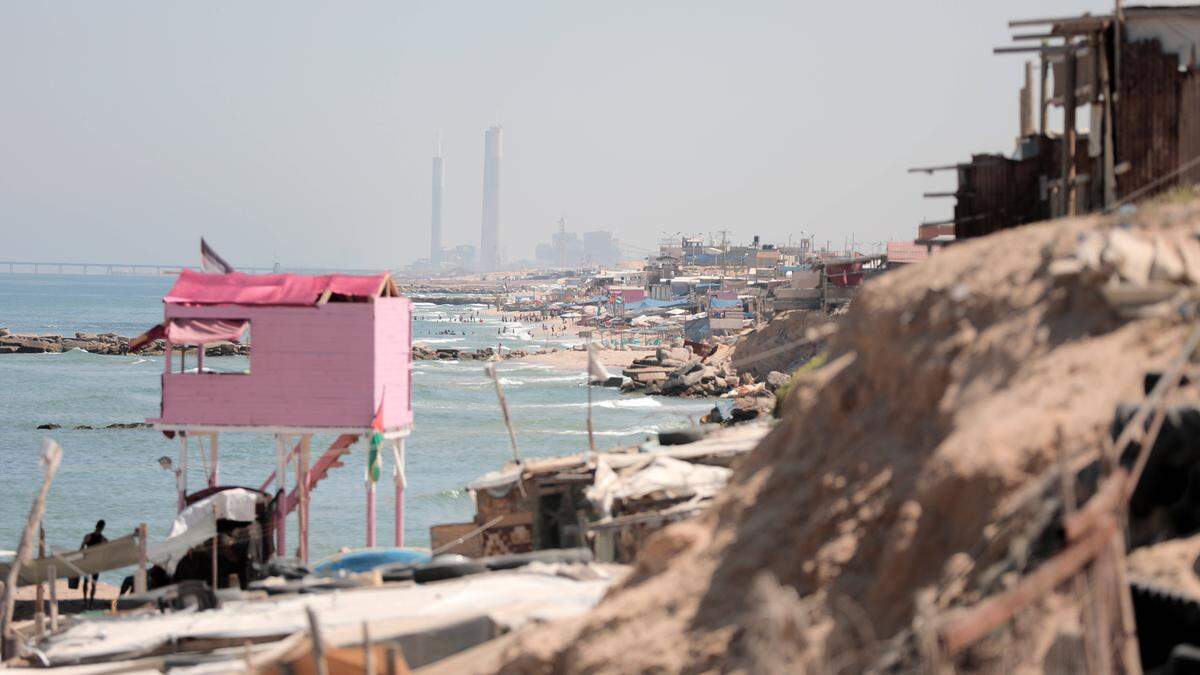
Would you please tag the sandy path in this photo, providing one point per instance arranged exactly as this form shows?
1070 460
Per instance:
70 601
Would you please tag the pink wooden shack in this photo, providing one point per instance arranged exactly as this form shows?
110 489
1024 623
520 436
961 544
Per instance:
329 354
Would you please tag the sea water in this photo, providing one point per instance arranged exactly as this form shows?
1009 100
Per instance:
114 474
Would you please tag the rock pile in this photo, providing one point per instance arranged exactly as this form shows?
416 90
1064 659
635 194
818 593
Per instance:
99 343
425 353
678 371
751 400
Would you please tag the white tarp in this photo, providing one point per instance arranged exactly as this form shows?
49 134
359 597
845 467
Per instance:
666 474
498 483
533 593
198 523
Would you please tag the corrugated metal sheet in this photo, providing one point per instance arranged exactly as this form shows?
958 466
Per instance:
1189 126
995 192
1147 117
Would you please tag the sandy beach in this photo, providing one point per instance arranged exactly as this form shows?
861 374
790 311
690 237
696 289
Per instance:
70 600
571 359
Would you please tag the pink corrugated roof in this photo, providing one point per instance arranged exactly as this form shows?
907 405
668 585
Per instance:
236 288
906 252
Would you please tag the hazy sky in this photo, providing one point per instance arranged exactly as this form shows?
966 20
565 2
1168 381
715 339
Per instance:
304 130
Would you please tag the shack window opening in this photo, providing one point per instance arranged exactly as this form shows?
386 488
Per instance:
217 346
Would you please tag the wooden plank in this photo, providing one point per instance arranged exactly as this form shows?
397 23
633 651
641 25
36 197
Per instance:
974 624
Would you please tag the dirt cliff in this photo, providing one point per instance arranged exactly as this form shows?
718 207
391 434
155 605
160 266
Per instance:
949 388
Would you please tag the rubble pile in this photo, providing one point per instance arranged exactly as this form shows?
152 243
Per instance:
907 482
100 343
679 371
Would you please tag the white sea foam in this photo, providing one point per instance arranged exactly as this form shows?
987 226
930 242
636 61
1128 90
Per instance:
630 403
637 431
618 404
439 341
565 378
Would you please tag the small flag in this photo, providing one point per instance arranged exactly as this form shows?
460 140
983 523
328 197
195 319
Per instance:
210 262
375 457
596 369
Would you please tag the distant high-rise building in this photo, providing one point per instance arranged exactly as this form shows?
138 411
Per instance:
489 240
435 224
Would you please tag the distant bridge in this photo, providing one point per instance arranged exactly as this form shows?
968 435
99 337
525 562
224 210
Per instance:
39 267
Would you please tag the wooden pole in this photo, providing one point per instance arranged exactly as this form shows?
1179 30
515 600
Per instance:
512 434
318 644
51 456
591 433
214 478
368 650
1068 137
1110 174
216 535
400 478
181 476
139 576
1025 102
302 487
53 573
1043 103
371 505
39 613
281 504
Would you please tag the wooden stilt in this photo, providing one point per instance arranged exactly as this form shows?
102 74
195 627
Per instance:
216 536
400 478
181 476
370 511
214 478
281 489
302 467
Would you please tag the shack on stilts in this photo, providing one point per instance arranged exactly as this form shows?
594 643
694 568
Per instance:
330 354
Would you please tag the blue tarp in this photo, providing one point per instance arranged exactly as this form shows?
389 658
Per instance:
651 303
718 303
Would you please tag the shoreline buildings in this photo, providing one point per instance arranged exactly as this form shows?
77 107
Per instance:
489 240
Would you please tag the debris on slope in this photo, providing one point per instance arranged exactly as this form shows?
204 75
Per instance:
899 480
784 344
681 371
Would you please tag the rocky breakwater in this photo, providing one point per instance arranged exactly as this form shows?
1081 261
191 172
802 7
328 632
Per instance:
425 353
751 400
99 343
679 371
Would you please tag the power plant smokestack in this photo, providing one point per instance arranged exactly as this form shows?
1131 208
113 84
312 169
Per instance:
435 224
489 244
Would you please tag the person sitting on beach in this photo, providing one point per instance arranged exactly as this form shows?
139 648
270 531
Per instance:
93 538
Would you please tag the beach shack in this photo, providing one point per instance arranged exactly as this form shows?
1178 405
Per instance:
329 354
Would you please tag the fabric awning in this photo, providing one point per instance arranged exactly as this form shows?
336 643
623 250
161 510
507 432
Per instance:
205 331
192 332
